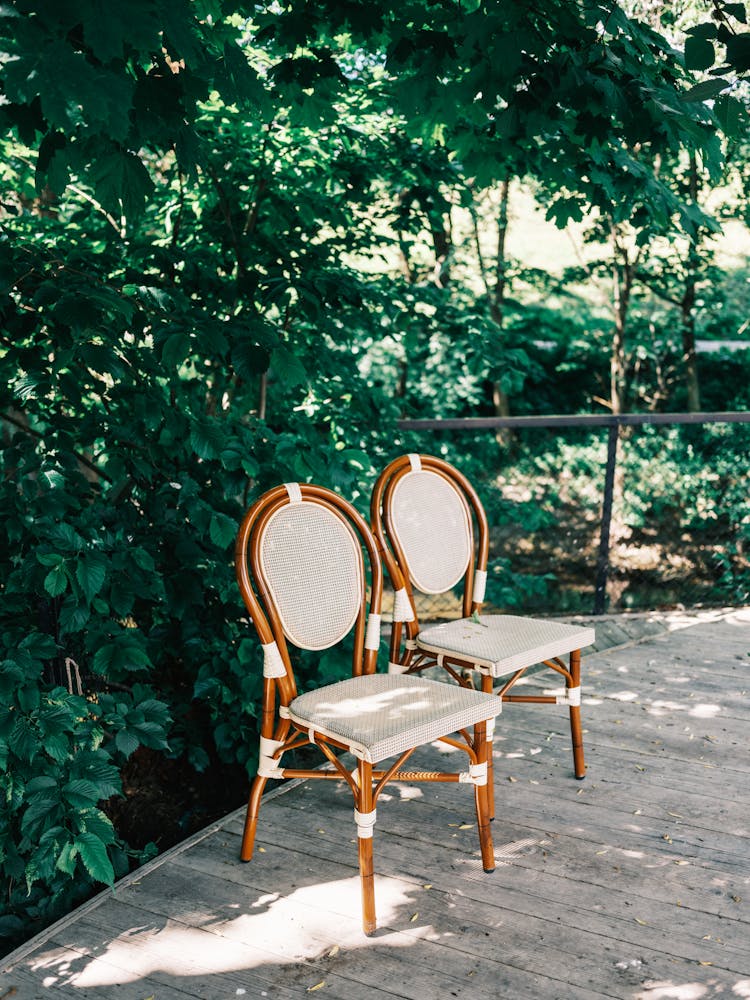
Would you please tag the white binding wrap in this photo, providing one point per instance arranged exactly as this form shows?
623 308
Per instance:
571 697
273 664
365 822
402 610
476 775
410 643
480 585
294 491
372 635
490 729
415 462
396 668
268 766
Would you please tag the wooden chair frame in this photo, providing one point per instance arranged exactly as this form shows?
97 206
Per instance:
404 651
279 734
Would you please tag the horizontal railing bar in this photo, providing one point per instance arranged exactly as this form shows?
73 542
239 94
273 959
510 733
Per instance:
573 420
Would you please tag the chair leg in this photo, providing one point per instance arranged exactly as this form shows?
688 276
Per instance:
251 818
482 801
576 730
365 823
487 689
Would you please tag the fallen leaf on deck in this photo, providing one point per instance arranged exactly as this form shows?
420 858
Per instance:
413 917
643 923
334 951
317 986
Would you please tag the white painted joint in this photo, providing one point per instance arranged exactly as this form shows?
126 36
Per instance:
396 668
480 585
268 765
294 492
490 729
478 773
273 663
402 609
572 697
415 462
365 823
372 635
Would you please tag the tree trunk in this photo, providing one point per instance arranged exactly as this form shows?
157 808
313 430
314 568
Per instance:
687 308
623 273
500 400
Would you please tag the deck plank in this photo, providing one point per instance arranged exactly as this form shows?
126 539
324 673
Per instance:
634 883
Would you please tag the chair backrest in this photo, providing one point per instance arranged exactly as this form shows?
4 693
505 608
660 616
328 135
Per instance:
305 560
433 521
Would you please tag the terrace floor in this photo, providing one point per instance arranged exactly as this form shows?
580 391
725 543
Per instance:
634 883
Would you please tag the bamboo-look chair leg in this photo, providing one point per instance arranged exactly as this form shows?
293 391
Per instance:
366 871
482 800
487 689
576 730
251 818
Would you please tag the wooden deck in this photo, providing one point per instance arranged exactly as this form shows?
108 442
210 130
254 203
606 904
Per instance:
634 883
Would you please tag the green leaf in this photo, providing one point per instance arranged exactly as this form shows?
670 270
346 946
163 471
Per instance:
207 439
126 742
40 806
122 183
287 366
39 645
81 793
699 53
705 30
222 530
736 10
705 90
65 538
94 856
176 348
56 581
729 112
91 573
66 860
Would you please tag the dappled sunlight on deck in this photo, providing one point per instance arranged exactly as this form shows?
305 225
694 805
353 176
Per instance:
632 884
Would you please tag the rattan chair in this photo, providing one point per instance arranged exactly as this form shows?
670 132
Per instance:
429 515
305 562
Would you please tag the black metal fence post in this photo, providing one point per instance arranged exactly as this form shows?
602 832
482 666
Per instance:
602 561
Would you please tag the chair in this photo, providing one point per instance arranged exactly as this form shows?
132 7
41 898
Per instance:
427 512
303 559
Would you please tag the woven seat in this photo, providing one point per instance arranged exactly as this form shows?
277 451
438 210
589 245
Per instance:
501 644
381 715
306 562
433 535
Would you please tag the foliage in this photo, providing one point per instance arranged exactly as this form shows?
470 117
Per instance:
230 255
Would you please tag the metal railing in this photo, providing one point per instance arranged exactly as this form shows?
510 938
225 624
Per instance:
611 421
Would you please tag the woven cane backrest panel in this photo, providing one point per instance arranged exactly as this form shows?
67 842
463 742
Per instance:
432 526
312 564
